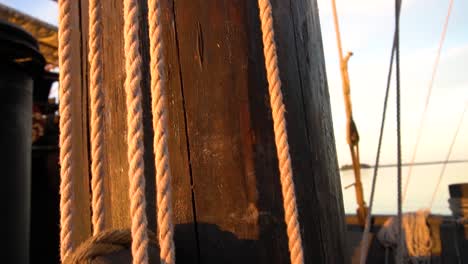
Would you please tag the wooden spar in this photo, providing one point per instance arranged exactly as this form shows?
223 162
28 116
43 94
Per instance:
352 134
226 187
80 168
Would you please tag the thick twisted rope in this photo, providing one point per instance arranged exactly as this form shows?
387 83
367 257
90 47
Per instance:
66 147
135 134
163 172
97 122
281 135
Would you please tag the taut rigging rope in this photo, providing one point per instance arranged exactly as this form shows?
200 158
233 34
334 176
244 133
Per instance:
399 255
428 97
444 165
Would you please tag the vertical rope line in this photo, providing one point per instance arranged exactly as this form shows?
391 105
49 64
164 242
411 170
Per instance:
66 144
428 97
281 135
135 133
97 122
367 227
399 258
163 172
444 165
365 237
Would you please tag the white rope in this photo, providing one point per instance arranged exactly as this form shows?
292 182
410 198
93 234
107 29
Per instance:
66 141
417 237
428 97
447 157
96 122
163 172
135 133
281 134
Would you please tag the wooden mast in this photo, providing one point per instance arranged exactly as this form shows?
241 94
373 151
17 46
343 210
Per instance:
226 187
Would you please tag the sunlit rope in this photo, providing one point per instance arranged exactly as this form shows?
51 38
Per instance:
444 165
133 65
281 134
428 97
66 132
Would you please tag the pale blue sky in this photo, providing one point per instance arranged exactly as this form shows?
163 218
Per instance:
367 29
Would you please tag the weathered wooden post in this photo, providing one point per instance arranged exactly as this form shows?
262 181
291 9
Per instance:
226 187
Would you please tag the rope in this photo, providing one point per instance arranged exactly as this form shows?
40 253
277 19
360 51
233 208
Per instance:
135 133
417 237
66 141
365 236
399 257
444 165
96 122
102 244
163 172
281 135
428 96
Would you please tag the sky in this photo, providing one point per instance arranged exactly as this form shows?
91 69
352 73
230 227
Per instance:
366 29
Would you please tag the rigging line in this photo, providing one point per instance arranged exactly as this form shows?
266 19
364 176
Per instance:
365 237
428 96
399 251
454 139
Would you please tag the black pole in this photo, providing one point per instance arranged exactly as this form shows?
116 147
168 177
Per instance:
19 63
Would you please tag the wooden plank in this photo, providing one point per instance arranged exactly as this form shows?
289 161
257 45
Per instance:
232 152
185 232
315 101
221 137
82 213
115 126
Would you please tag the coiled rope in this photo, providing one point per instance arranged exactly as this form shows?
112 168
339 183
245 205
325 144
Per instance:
281 135
417 237
102 244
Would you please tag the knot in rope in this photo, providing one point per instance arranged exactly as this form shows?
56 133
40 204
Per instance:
102 244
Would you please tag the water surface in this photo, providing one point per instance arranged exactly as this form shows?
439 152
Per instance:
420 189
